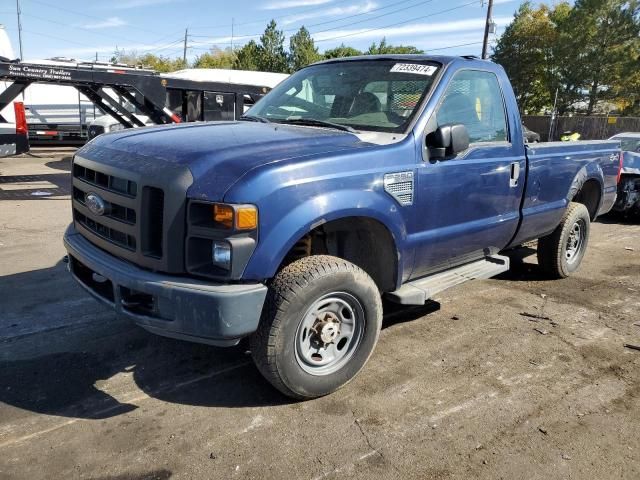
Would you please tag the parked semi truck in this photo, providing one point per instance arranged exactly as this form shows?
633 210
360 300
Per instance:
355 179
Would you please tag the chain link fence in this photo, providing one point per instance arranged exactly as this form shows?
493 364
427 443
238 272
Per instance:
590 128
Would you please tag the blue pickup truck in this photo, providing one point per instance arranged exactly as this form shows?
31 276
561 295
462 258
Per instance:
392 176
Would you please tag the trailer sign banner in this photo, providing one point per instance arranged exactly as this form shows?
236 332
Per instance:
414 68
39 72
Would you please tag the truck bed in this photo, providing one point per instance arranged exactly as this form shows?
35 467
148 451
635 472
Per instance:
556 171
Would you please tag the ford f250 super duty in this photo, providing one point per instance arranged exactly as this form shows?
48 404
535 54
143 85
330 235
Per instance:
395 176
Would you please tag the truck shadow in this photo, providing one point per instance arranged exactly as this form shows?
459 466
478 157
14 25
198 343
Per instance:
522 268
618 218
105 367
40 186
48 186
63 164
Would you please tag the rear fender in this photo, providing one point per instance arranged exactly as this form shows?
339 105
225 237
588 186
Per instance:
591 171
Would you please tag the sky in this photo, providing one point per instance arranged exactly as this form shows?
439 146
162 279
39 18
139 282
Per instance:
84 29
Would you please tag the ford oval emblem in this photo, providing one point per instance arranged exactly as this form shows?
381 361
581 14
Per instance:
95 203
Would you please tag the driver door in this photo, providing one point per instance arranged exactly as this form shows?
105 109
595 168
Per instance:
468 205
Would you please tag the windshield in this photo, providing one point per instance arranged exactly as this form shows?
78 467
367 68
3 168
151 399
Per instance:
378 95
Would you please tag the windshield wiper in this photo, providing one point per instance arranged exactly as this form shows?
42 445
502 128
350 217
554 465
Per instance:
255 118
314 122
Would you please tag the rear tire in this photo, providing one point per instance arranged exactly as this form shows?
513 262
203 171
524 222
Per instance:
561 253
319 325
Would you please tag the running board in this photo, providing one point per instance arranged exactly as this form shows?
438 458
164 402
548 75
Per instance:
417 292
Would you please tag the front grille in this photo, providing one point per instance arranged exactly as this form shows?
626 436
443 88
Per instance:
118 212
108 182
114 236
131 224
153 202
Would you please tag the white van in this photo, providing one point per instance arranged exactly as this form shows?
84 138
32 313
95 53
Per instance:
14 137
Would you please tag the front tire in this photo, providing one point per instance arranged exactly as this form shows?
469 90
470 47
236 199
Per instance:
561 253
319 326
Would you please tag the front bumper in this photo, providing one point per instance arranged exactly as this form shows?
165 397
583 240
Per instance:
177 307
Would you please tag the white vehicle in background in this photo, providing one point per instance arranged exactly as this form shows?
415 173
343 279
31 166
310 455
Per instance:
57 113
190 108
14 137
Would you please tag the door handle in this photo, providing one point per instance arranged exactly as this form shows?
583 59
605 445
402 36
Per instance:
515 174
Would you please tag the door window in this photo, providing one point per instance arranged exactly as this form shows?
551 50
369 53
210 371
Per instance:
474 99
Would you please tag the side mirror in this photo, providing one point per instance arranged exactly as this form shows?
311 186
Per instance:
447 141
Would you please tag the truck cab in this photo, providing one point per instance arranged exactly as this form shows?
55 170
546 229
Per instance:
393 176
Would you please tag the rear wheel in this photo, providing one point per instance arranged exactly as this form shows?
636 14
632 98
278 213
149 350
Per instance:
319 326
561 253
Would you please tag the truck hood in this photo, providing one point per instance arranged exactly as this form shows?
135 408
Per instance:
217 154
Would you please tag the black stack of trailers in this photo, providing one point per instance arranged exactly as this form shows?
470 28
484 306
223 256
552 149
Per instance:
128 93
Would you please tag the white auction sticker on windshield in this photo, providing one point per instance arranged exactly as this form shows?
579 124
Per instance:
414 68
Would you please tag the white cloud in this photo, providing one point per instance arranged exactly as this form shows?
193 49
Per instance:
281 4
332 12
110 22
406 30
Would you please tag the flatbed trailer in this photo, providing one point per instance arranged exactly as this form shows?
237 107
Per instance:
116 88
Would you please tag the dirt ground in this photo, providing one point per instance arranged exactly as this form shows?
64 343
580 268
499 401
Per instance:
513 378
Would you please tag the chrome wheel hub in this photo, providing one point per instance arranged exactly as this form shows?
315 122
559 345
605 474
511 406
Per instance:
329 333
575 241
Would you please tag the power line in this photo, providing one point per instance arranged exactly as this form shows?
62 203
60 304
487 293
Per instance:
287 30
266 19
373 18
86 15
397 23
452 46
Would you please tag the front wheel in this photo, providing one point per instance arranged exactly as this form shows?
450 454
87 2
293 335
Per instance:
560 254
319 326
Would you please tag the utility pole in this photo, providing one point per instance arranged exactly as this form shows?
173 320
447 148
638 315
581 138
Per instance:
19 12
487 27
184 52
232 22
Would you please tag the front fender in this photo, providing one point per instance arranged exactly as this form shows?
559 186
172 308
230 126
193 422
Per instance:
281 234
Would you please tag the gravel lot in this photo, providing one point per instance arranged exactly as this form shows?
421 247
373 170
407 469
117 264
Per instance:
514 377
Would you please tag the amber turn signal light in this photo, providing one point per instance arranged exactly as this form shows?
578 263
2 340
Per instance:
246 218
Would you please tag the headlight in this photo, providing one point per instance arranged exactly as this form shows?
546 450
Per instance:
221 238
221 254
240 217
115 127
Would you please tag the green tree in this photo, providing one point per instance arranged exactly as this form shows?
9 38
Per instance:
605 34
341 51
148 60
626 92
272 57
216 58
248 57
302 50
525 52
384 48
563 75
